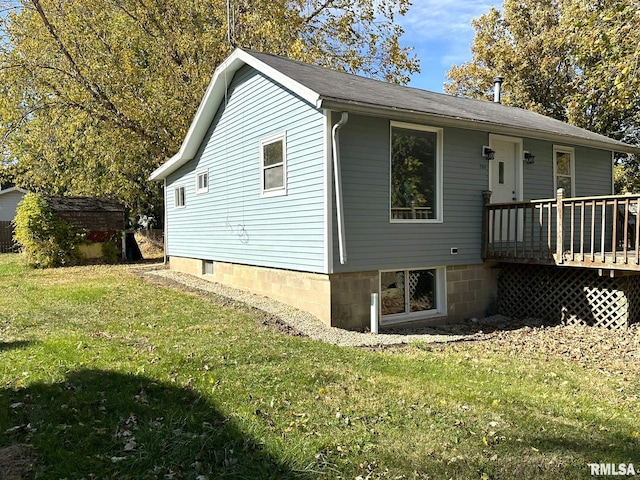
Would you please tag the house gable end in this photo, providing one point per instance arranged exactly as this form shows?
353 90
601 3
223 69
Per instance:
215 96
234 221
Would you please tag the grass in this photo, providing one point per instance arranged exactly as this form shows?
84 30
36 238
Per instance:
108 376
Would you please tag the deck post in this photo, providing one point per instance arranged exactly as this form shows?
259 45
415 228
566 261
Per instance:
486 200
560 226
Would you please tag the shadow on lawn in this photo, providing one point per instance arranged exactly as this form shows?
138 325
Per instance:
101 424
14 345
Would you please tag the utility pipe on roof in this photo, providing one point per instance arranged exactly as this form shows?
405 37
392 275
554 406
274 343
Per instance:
337 180
497 89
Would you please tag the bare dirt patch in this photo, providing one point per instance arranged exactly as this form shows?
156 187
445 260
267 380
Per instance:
16 461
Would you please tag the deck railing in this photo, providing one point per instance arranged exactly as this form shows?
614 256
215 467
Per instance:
598 232
410 213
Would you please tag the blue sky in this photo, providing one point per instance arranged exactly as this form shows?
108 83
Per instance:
441 33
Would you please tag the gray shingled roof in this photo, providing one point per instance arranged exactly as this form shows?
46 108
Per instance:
346 90
84 204
338 91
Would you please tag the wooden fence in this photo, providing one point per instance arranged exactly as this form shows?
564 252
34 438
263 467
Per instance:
6 238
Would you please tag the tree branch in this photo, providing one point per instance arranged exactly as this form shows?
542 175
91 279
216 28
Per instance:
94 90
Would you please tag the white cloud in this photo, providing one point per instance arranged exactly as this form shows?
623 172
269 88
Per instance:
438 19
440 31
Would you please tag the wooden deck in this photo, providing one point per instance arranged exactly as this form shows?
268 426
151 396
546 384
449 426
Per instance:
589 232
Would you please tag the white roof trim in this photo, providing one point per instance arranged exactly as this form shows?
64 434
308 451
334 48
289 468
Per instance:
212 99
12 189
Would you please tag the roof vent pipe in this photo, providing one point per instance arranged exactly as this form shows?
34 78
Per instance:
497 89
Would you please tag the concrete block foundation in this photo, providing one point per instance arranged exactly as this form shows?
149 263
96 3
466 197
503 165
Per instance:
343 300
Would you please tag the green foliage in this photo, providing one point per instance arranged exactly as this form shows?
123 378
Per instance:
111 250
569 59
46 240
96 94
413 165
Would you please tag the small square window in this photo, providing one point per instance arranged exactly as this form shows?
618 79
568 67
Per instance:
179 195
207 267
274 165
202 181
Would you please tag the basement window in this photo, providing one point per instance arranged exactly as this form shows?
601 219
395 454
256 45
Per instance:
412 294
207 267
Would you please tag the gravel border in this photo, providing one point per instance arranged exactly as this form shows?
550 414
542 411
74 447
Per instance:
305 323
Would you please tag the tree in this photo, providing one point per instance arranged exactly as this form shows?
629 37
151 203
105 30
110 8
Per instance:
524 45
95 94
573 60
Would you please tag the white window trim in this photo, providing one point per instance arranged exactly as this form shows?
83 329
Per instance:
176 196
199 173
280 191
439 162
572 152
441 299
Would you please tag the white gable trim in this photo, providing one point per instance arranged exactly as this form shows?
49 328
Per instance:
12 189
213 97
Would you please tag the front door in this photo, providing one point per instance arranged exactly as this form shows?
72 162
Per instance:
503 171
505 183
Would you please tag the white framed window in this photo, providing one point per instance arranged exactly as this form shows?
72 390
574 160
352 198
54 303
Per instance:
202 181
415 173
412 294
273 165
564 170
179 197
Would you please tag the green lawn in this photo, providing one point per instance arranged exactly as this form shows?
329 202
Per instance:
108 376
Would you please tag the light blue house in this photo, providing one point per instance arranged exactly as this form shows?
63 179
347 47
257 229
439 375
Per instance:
319 188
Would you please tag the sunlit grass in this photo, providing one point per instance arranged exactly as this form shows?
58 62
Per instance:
108 376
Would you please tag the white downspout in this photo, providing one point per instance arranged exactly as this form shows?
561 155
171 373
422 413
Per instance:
166 223
337 180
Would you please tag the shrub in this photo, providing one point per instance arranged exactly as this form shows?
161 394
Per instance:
111 250
46 240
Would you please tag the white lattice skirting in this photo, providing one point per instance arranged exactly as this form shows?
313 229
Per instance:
568 295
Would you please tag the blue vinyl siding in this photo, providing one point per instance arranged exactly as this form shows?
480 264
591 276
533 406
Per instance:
375 243
593 171
232 222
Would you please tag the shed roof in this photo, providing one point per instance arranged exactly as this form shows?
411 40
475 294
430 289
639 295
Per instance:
334 90
12 189
84 204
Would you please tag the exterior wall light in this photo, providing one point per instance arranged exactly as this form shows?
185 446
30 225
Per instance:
488 153
529 158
